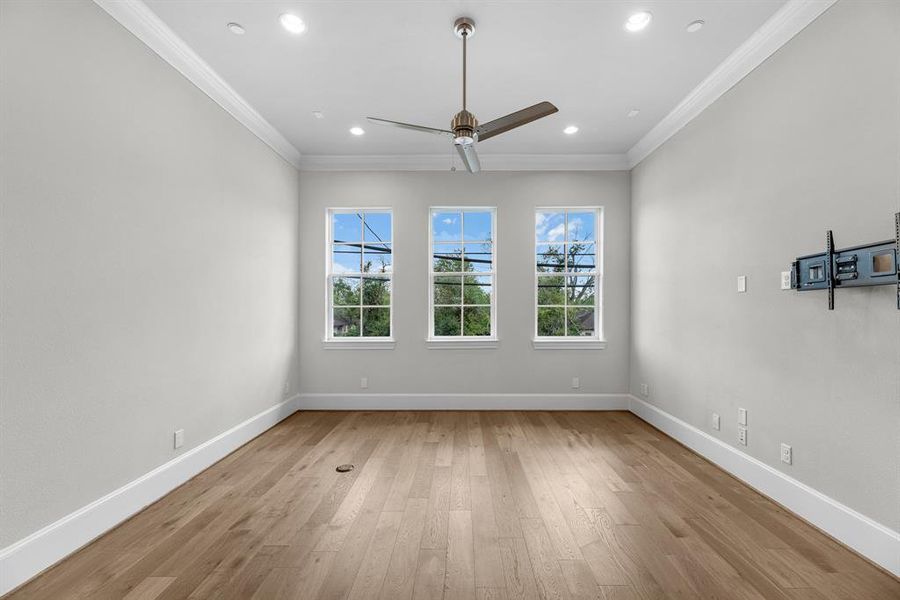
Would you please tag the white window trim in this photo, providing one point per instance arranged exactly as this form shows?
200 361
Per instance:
330 342
550 343
371 343
597 341
463 341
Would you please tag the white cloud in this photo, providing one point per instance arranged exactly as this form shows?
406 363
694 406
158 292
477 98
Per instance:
574 226
448 221
339 269
557 232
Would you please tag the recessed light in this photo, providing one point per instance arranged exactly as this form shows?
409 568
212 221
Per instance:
235 28
292 23
695 25
357 130
638 21
633 113
570 130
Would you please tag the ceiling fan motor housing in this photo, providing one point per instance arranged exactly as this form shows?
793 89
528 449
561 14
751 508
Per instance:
463 126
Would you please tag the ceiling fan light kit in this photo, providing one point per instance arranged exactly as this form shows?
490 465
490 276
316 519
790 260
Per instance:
464 128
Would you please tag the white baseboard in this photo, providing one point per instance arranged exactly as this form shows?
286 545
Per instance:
26 558
29 556
463 402
873 540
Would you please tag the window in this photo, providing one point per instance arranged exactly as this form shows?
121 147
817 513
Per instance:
567 274
359 274
462 274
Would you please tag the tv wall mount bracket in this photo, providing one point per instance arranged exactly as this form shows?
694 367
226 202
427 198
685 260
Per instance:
858 266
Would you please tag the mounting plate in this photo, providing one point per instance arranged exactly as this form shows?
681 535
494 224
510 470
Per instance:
464 25
877 263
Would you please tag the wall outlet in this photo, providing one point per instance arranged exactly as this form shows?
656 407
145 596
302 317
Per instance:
742 435
645 390
179 438
787 454
785 280
742 283
716 422
576 383
364 383
742 416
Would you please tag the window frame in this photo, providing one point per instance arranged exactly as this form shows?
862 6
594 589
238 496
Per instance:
565 342
330 341
462 341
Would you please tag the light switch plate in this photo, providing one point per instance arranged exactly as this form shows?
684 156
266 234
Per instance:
787 454
364 383
742 416
716 422
179 438
785 280
742 283
576 383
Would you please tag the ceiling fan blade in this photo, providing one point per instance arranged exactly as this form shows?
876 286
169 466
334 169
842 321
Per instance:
513 120
469 157
432 130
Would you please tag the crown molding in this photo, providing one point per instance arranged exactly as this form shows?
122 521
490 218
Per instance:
790 20
444 162
137 18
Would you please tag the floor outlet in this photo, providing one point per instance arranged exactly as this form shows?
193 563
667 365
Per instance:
787 454
742 435
179 438
716 422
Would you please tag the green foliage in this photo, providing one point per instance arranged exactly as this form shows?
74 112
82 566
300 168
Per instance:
565 301
349 319
346 322
448 289
447 320
376 292
345 291
376 322
474 291
550 290
551 321
477 320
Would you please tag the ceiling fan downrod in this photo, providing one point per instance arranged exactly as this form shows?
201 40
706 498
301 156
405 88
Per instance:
464 122
465 130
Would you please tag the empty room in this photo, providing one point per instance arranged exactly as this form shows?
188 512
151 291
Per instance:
460 299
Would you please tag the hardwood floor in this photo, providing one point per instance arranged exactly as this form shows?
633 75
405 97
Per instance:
483 505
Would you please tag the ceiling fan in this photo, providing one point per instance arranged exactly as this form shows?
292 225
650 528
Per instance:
464 128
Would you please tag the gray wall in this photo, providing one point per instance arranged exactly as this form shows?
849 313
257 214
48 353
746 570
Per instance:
809 141
514 367
149 260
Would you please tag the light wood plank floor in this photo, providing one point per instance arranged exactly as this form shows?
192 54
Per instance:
490 505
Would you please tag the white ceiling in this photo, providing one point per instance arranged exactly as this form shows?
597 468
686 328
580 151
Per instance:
399 60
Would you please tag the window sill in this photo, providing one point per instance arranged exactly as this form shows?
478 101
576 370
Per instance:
359 344
568 344
461 343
